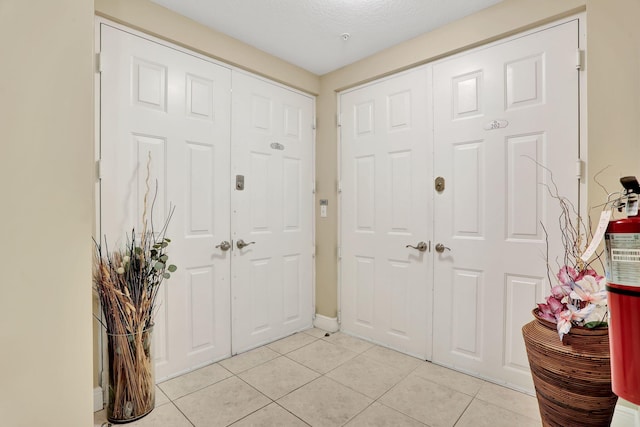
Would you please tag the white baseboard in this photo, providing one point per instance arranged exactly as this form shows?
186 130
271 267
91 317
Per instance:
329 324
98 403
625 417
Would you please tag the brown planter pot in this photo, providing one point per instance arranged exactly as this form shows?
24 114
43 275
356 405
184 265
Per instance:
572 378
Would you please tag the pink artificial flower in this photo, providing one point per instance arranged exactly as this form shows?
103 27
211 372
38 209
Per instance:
569 315
560 291
551 310
589 272
567 275
590 290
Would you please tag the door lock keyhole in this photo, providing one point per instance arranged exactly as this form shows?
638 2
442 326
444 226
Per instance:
239 182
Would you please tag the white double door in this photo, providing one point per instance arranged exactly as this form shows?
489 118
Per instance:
177 108
499 114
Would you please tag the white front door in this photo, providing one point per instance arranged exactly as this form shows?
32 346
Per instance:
385 205
498 113
272 165
174 106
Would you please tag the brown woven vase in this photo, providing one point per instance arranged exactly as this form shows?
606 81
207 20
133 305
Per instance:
573 377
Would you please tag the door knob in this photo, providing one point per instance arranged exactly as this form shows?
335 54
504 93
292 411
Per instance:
421 246
441 248
242 244
224 245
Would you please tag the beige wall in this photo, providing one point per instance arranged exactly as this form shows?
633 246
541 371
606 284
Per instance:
613 93
163 23
46 152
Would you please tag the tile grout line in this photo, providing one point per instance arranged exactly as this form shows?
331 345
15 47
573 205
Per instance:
201 388
283 355
361 353
357 414
486 402
258 409
285 409
325 375
183 414
255 366
272 401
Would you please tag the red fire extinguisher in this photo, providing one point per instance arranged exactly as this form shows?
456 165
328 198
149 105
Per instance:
622 240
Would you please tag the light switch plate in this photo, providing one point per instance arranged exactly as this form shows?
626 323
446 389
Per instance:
323 207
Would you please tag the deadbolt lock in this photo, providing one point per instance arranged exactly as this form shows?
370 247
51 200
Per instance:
239 182
439 184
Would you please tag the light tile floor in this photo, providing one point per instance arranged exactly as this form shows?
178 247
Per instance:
313 379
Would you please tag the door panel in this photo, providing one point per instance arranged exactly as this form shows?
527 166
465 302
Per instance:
385 206
273 151
499 113
174 107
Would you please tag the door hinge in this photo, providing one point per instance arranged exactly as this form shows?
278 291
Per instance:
339 119
579 169
99 169
339 317
98 62
314 124
313 188
339 251
579 59
313 251
339 187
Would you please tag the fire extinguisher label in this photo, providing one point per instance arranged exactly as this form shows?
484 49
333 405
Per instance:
624 258
605 216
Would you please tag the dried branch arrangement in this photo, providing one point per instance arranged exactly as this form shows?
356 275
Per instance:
127 282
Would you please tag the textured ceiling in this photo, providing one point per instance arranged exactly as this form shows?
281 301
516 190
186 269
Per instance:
308 33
